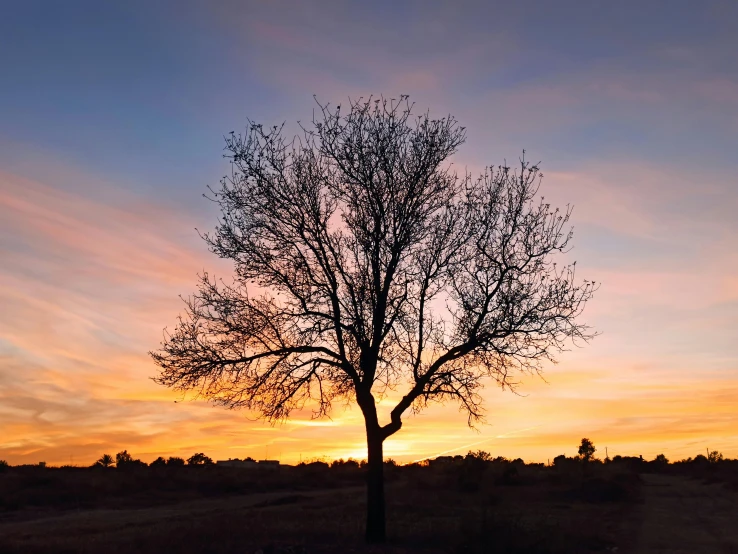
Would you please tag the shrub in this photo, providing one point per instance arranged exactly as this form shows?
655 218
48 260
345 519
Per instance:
159 462
174 461
4 465
661 460
699 459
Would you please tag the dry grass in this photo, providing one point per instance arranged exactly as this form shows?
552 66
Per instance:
497 507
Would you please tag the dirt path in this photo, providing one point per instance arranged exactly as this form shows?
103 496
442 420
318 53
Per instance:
684 515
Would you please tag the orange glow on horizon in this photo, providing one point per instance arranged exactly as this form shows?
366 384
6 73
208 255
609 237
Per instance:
95 282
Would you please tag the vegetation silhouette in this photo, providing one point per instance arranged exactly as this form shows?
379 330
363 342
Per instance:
106 460
123 460
586 449
364 263
714 457
199 459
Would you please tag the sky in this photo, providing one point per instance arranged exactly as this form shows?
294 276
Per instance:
112 118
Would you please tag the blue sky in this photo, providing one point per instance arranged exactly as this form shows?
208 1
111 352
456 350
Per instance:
147 89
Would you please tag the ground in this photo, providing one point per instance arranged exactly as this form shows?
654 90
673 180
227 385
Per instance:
682 515
460 510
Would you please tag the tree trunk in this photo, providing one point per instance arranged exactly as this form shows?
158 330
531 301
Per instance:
375 517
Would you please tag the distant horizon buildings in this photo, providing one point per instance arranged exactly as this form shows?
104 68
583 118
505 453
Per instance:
248 463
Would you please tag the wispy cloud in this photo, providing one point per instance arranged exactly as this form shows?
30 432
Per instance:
96 279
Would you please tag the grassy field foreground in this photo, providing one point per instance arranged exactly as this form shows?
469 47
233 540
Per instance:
466 507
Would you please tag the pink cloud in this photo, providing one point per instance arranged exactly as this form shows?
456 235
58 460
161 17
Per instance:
94 278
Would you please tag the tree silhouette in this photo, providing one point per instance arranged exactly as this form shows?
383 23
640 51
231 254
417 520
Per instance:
364 263
122 458
714 456
586 449
700 459
199 459
106 460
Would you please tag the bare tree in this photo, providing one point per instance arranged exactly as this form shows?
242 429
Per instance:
364 263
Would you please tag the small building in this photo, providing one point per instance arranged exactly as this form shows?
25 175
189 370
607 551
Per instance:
269 464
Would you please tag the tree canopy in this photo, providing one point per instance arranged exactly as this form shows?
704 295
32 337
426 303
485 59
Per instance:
586 449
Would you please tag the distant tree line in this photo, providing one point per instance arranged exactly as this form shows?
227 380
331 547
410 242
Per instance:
124 460
585 454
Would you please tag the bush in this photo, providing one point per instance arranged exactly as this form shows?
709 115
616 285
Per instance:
661 460
4 465
559 460
341 463
174 461
699 460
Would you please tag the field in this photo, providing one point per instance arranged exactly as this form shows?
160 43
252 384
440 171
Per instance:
465 507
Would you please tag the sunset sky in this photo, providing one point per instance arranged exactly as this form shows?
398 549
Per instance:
112 118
